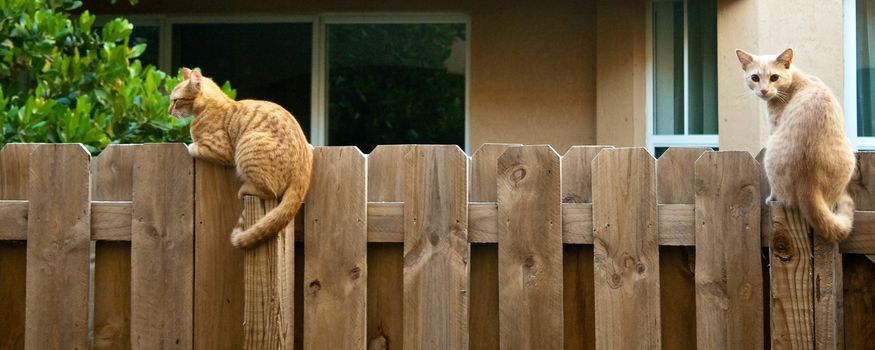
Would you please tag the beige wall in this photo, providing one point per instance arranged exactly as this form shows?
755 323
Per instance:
621 100
532 62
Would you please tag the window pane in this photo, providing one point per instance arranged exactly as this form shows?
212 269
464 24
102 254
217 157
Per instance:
396 83
264 61
148 35
702 58
865 64
668 71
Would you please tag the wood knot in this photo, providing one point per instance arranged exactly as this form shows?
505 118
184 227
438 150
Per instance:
434 238
355 273
315 286
781 247
518 175
530 262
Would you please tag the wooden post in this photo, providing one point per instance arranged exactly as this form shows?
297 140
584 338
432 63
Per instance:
791 276
268 275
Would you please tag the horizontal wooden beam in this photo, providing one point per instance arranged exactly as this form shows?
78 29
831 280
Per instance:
111 221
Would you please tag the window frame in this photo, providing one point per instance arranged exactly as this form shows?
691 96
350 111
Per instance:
654 140
319 60
849 50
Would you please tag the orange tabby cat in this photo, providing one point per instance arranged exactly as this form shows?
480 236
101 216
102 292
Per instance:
809 160
263 141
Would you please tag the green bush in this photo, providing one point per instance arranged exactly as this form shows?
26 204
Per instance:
64 80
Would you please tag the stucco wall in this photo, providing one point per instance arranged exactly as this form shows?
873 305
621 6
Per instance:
533 76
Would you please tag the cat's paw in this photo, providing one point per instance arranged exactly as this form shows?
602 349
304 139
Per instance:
193 149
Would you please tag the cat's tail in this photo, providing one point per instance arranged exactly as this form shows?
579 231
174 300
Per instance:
274 221
831 226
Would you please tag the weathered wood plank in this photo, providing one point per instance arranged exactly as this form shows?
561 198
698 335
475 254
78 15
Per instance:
483 228
218 285
728 275
792 281
335 266
858 280
162 248
436 250
827 290
58 243
675 185
14 165
111 192
626 259
268 278
386 171
385 222
530 248
13 220
577 280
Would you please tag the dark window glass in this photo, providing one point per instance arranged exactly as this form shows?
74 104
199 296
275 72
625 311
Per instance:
396 83
865 65
264 61
149 35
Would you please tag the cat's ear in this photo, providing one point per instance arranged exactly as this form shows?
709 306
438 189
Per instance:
185 73
744 57
195 79
785 58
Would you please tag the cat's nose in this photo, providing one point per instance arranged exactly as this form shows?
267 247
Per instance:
763 92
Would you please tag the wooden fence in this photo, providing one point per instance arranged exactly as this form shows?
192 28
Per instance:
423 247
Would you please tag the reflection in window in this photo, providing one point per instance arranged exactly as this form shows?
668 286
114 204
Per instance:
865 65
396 83
264 61
685 67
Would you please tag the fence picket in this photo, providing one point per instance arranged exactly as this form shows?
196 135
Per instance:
858 272
436 249
675 184
483 308
14 165
335 266
218 285
162 248
386 171
577 270
728 274
626 259
530 248
791 280
58 241
112 180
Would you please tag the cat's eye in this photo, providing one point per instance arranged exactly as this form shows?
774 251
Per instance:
773 78
755 78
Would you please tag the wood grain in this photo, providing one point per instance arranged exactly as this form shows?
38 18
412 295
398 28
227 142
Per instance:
577 281
858 280
268 279
729 312
218 284
335 266
827 261
792 281
386 171
112 180
675 185
14 165
436 250
162 248
483 220
58 243
530 248
626 258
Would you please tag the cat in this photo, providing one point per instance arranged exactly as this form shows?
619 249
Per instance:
261 139
809 159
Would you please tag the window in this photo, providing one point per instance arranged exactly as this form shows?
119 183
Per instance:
865 74
396 83
684 73
349 80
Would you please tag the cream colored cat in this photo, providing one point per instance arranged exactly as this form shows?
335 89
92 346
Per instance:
809 160
260 138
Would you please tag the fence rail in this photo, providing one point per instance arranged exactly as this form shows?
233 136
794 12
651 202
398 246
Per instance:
423 247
